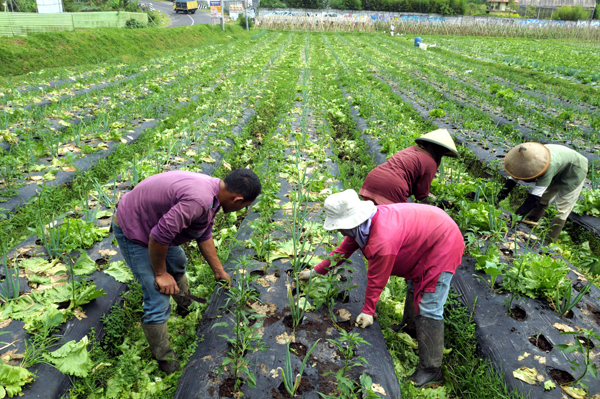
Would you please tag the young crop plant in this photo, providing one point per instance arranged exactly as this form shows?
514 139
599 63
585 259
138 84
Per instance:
584 348
244 325
290 382
10 288
563 301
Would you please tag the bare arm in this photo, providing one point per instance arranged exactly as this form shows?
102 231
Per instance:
158 256
208 250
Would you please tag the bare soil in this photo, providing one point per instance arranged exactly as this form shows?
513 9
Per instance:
226 389
561 377
541 343
518 313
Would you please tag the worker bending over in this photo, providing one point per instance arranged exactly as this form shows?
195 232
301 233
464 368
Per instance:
154 219
410 171
418 242
558 172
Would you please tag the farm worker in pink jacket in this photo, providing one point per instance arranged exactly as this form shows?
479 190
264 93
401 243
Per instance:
418 242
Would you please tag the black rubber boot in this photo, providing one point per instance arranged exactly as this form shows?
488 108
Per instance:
407 324
183 303
158 339
430 336
536 214
555 228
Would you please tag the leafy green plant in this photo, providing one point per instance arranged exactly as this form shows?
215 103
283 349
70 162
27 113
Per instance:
291 383
72 358
298 305
350 389
588 366
12 379
493 270
536 276
562 298
80 234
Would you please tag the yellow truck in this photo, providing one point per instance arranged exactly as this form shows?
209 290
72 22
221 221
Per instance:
185 6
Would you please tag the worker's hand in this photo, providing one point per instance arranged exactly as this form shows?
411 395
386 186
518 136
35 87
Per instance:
306 275
443 204
166 284
364 320
222 276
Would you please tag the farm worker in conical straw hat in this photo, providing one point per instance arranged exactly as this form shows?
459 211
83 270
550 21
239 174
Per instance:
410 171
559 174
161 213
418 242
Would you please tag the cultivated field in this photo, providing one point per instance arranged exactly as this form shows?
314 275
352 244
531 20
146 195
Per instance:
311 114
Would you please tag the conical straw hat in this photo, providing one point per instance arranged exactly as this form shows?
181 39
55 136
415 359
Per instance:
527 161
442 138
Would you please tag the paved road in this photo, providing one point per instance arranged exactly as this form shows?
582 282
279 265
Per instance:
200 17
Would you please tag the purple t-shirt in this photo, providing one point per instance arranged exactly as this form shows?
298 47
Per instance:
175 207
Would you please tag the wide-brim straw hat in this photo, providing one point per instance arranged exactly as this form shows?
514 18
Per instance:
527 161
442 138
346 211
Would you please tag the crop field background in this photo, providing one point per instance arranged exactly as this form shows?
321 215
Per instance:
311 113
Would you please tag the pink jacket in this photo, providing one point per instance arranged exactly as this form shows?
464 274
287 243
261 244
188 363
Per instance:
414 241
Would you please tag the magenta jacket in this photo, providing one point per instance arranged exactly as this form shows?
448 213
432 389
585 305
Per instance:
415 241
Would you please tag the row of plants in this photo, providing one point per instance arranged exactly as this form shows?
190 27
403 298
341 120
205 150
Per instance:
286 233
478 126
26 163
168 149
535 275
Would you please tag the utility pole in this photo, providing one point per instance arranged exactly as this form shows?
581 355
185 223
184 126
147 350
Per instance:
246 12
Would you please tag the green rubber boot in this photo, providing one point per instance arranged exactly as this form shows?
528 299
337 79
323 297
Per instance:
158 339
430 336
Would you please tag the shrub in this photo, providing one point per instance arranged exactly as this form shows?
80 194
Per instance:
242 21
134 24
568 13
531 12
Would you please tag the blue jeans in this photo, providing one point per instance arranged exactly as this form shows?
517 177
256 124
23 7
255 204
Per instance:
157 306
432 303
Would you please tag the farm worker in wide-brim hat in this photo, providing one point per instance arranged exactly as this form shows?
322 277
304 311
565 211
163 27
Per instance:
154 219
558 172
410 171
418 242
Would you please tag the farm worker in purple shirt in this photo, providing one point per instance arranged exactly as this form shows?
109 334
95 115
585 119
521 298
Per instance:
418 242
559 175
154 219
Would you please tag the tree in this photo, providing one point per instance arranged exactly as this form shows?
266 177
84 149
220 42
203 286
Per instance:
512 6
568 13
531 12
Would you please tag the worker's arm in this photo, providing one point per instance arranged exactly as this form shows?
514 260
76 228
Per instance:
508 186
380 270
343 252
158 257
209 251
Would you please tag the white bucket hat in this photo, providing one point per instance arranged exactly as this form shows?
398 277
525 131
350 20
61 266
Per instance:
346 211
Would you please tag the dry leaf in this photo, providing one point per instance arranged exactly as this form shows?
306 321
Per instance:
263 282
5 323
80 314
266 309
540 359
274 373
344 314
69 169
526 354
284 338
563 327
10 355
271 278
36 178
226 165
107 252
378 389
208 358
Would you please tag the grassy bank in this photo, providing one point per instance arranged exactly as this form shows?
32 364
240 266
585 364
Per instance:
20 55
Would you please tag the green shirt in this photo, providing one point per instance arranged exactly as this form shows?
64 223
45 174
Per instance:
567 170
